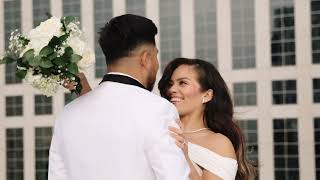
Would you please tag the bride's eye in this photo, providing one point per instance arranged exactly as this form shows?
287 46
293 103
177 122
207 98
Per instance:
182 83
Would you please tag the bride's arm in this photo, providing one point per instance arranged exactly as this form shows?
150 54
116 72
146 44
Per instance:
177 134
84 82
181 143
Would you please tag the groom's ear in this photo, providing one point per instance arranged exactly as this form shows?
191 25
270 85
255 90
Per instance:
144 58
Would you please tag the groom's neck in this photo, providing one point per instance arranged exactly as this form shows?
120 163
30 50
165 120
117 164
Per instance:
126 69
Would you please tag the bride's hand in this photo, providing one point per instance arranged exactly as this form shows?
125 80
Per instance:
84 82
177 134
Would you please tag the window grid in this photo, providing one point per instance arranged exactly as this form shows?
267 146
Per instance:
137 7
249 129
316 123
245 94
282 33
284 92
42 139
170 40
12 21
315 26
316 90
286 149
103 13
14 106
68 97
43 105
206 30
243 38
14 150
41 8
72 8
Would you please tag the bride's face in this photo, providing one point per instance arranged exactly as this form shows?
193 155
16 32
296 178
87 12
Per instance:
185 91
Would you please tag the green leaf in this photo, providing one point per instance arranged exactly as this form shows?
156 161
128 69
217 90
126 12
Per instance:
54 41
63 38
24 40
45 71
59 61
7 60
78 88
73 68
67 20
75 58
21 73
68 51
52 56
28 55
22 63
46 64
34 61
46 51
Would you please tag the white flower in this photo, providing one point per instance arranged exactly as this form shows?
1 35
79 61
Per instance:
47 85
74 29
60 51
76 44
42 34
80 47
20 68
30 78
88 59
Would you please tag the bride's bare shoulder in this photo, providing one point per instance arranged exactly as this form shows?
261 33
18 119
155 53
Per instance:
220 144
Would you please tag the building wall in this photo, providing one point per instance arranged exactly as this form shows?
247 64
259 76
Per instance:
264 111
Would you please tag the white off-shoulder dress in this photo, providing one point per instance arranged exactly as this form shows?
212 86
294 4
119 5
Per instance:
224 167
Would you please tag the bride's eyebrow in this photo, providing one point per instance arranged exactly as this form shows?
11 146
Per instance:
183 78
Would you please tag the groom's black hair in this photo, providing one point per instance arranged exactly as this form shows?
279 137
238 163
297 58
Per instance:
123 34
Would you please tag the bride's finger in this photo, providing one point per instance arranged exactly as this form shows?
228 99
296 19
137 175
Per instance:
180 145
176 130
69 85
177 137
180 124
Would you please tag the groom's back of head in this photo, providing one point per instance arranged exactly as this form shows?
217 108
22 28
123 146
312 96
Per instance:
124 33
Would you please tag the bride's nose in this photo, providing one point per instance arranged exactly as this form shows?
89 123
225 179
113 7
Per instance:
172 89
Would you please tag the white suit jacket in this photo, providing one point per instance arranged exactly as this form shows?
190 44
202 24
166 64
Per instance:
116 132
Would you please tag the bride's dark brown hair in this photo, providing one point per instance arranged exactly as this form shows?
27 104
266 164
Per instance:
218 114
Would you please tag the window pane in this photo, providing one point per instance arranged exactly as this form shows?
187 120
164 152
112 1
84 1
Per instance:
243 36
136 7
169 31
282 32
42 139
286 154
14 151
206 36
41 10
316 90
14 106
72 8
102 14
245 94
315 26
43 105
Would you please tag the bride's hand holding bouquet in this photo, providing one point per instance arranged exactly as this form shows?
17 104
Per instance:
51 53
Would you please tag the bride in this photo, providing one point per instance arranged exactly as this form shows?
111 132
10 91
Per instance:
211 141
213 144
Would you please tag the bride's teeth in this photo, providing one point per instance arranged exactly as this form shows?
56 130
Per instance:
175 99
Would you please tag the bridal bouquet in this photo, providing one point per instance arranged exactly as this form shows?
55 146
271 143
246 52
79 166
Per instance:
50 55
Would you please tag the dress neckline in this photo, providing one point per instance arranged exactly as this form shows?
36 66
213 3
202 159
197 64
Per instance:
208 150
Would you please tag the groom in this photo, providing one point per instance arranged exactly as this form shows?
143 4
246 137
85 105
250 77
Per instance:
119 131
